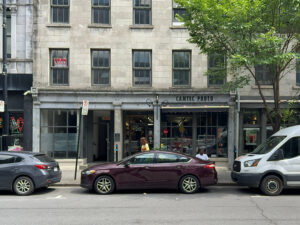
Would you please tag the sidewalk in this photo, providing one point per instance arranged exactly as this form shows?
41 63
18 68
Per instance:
68 172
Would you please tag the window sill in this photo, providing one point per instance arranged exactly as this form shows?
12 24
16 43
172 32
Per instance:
181 87
181 27
141 87
141 27
59 25
296 87
99 26
263 86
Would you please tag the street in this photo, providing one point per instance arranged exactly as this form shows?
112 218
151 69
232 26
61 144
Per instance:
218 205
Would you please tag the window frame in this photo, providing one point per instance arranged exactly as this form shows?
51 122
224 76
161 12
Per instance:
101 68
265 72
53 67
182 69
142 68
59 6
142 7
176 6
101 7
216 68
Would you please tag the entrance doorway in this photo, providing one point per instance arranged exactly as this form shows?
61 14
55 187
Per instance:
103 141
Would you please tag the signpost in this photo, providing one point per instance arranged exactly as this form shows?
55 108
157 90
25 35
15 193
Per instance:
83 112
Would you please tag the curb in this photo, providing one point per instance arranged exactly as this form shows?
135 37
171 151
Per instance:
78 185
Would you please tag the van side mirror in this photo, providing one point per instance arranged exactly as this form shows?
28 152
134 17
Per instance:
278 155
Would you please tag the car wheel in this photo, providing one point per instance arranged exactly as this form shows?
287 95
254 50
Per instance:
23 186
271 185
104 185
189 184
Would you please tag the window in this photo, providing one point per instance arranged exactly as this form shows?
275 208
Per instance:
6 159
167 158
101 11
183 159
216 70
181 68
291 148
142 67
143 159
101 67
263 74
60 11
298 72
142 12
8 33
59 66
177 10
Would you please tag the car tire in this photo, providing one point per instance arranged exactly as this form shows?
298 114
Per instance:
189 184
23 186
271 185
104 185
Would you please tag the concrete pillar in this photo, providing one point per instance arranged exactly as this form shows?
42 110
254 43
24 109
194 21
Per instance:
118 125
13 10
194 133
157 113
241 134
36 136
263 125
230 146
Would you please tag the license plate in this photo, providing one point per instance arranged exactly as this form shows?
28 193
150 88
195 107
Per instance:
55 169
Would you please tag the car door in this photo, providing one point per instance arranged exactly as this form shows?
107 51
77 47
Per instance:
7 171
137 173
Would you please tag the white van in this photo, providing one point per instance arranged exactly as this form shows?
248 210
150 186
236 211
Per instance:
273 165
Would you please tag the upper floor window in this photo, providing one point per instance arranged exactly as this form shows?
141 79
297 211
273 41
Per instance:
101 67
59 66
8 33
177 10
216 70
298 71
142 67
101 11
181 68
60 11
142 12
263 74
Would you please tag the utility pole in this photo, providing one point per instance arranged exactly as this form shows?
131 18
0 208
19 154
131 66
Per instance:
4 72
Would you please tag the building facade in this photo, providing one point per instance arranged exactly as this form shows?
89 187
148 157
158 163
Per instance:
19 64
131 60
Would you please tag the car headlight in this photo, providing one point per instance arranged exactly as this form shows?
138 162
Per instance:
251 163
88 172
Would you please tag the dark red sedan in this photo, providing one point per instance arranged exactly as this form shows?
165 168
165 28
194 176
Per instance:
151 170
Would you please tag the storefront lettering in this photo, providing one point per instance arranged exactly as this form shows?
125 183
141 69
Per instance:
193 98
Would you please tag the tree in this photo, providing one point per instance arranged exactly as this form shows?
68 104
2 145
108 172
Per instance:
251 34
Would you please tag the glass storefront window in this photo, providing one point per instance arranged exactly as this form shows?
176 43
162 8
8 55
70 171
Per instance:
251 117
16 127
59 133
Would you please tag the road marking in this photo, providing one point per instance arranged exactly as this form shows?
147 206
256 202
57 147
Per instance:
56 197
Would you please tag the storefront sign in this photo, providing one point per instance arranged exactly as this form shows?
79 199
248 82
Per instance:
2 106
194 98
85 107
60 62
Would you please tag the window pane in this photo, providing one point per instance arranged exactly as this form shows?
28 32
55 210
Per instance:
141 77
181 59
181 77
60 118
180 12
100 76
298 72
142 3
6 159
101 15
166 158
143 159
142 16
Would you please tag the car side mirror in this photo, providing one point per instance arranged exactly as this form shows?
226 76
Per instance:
126 164
278 155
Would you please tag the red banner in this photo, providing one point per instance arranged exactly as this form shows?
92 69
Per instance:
60 62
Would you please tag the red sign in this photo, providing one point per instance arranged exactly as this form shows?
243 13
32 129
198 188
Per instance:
165 131
60 62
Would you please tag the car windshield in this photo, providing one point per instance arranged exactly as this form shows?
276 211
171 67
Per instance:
268 145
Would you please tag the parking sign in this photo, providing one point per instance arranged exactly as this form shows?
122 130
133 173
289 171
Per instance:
85 107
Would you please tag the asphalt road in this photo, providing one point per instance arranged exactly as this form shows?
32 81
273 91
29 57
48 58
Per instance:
213 205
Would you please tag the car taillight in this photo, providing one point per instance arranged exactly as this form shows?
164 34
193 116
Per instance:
41 167
210 166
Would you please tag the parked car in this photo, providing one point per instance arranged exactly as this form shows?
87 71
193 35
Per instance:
151 170
23 172
273 165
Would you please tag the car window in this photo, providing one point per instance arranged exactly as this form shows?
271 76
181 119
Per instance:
6 159
167 158
291 148
44 158
142 159
18 159
183 159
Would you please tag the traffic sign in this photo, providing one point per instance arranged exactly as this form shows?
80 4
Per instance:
85 107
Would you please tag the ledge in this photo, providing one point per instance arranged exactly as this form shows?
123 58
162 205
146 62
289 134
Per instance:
141 27
295 87
58 25
174 27
17 60
99 26
262 86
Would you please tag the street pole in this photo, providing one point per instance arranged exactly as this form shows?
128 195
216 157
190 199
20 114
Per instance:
5 114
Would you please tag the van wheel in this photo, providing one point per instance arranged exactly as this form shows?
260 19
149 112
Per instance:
23 186
271 185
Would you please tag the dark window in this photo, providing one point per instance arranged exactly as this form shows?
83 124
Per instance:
263 74
141 67
101 11
6 159
8 33
18 159
177 10
216 70
143 159
59 66
101 67
181 68
44 158
298 72
291 148
183 159
60 11
142 12
167 158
